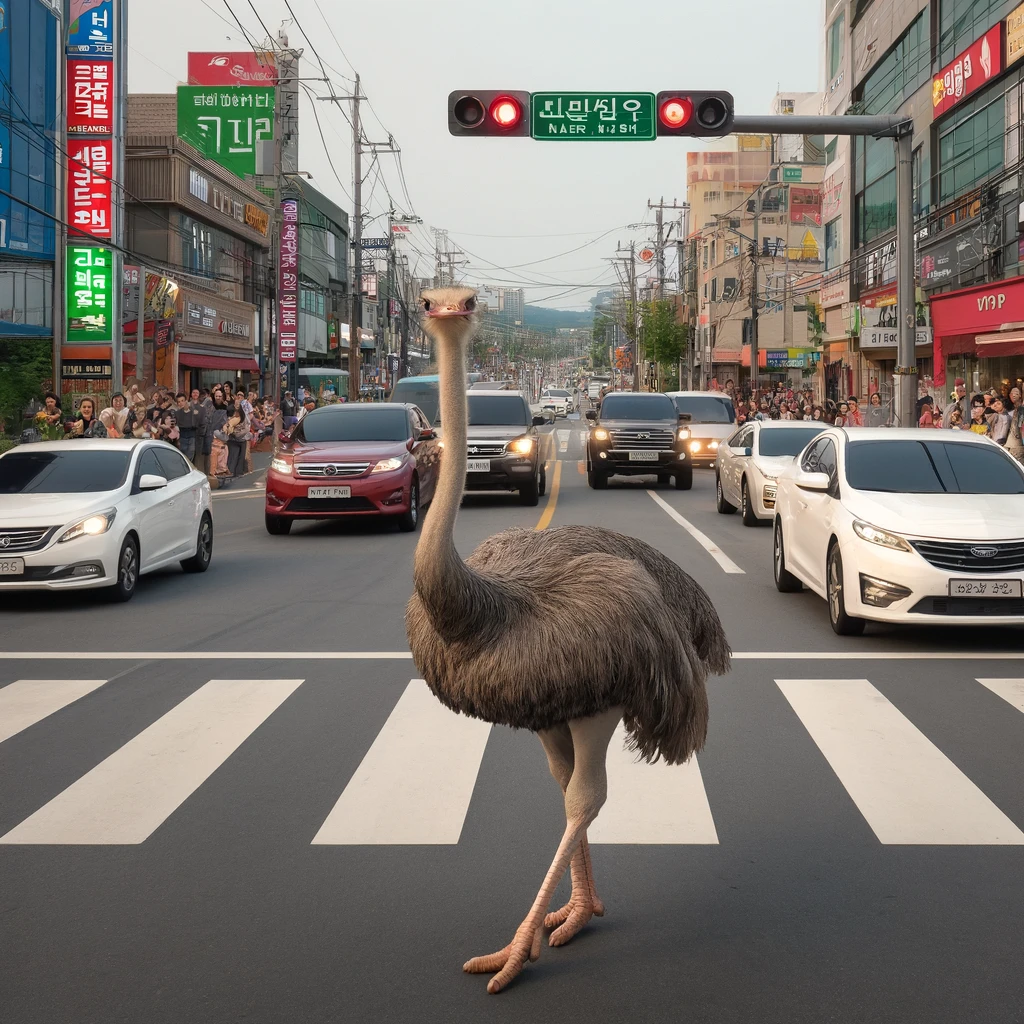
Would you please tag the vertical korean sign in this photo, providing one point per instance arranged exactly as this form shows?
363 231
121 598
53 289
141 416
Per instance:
94 146
288 284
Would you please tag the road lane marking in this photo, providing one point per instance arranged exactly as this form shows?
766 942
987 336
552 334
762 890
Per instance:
221 534
126 797
415 784
726 563
27 701
563 440
1011 690
549 509
908 791
654 804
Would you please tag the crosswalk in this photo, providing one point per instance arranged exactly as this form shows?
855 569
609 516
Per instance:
415 783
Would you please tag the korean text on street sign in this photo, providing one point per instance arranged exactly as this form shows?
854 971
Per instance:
226 122
92 33
605 116
89 293
90 96
288 290
375 243
90 167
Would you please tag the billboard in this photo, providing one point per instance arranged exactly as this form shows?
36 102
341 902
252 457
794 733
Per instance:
90 168
288 283
28 116
89 295
91 33
219 68
225 123
974 68
90 92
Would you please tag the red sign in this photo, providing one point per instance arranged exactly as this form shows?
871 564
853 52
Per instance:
90 168
90 97
249 68
976 66
288 283
980 309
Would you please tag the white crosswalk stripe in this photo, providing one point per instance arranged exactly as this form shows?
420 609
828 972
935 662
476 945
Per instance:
415 783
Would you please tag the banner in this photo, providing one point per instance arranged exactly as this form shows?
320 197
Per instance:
242 68
225 123
90 96
89 295
288 283
90 168
974 68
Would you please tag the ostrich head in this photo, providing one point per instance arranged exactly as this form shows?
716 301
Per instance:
449 315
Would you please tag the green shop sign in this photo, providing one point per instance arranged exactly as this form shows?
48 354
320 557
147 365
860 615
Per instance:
89 294
225 124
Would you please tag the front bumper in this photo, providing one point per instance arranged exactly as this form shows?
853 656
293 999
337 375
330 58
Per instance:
507 473
703 451
80 564
616 462
371 494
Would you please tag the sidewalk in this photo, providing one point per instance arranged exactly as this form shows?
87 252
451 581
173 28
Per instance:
260 465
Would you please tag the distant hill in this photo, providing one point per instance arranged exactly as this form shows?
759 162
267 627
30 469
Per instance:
544 319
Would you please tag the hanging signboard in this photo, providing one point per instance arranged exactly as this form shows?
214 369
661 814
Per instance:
90 96
288 283
971 70
225 123
89 294
90 166
241 68
91 34
375 243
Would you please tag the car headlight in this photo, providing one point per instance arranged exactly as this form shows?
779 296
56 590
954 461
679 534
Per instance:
873 535
713 446
279 465
386 465
90 526
521 445
695 446
600 434
684 433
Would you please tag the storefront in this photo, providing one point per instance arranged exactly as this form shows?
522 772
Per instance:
979 335
215 342
878 340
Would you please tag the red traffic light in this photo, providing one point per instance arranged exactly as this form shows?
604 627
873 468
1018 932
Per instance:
675 111
506 112
483 112
695 113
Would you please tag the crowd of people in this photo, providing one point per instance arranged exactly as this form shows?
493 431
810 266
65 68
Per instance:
787 403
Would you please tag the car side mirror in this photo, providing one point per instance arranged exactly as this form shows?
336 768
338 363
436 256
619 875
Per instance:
591 415
428 435
685 417
285 437
539 421
812 481
745 452
151 482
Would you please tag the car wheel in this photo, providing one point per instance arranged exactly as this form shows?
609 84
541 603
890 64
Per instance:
721 504
842 624
277 526
127 571
684 478
200 561
747 506
529 494
785 581
410 518
597 480
542 490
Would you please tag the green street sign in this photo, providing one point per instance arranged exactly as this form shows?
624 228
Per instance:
587 116
792 174
225 123
89 294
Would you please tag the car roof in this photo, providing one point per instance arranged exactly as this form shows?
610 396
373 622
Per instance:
799 424
638 394
335 406
434 379
116 444
855 434
494 391
699 394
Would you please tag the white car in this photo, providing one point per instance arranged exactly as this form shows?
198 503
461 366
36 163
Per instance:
712 422
98 512
560 402
752 460
906 526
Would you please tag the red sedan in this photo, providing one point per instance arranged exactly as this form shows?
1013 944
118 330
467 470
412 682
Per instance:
353 460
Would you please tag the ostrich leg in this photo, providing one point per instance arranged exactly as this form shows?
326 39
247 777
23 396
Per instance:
584 902
584 796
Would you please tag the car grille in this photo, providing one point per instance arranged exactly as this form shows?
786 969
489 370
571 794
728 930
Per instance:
331 469
484 449
644 440
18 539
969 606
356 504
957 556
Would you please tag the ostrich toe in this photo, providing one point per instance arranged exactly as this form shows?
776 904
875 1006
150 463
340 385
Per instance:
583 904
508 962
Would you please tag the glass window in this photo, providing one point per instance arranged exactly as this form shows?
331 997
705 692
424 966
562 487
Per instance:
706 408
833 243
419 393
639 407
148 464
835 45
901 71
354 423
783 441
62 472
931 467
498 411
963 21
171 463
827 458
971 144
812 455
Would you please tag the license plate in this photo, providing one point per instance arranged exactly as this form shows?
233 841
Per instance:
330 492
985 588
478 466
12 566
643 456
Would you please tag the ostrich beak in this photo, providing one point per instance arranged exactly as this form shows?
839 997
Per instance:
447 311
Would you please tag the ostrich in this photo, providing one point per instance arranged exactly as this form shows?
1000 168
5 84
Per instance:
515 635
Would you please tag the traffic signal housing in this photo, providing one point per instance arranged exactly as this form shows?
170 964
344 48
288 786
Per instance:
695 114
489 112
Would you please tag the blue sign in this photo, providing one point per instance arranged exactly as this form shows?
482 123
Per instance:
92 35
28 123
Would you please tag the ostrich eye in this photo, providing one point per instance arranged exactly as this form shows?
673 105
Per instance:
470 304
426 305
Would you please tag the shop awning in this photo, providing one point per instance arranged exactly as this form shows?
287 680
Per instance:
210 362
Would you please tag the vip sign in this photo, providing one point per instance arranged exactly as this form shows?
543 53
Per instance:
288 284
90 97
89 294
90 166
226 123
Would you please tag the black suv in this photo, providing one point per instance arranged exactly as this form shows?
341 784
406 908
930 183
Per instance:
637 434
503 452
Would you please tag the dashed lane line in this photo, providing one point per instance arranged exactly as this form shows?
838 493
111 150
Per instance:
725 562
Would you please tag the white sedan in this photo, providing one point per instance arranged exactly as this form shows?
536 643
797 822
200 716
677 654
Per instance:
98 512
558 401
905 526
750 462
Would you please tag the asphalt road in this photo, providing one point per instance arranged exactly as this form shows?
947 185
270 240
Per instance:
229 801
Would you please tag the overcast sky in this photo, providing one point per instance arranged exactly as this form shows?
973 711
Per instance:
514 206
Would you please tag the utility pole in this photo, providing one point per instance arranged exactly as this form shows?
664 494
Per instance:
632 313
663 239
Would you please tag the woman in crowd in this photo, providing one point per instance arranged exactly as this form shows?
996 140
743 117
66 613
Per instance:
842 415
877 414
926 412
979 424
86 423
115 416
218 439
237 431
998 421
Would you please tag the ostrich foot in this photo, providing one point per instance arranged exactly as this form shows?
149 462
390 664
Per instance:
508 962
583 904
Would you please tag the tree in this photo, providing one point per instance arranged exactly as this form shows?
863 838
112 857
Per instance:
24 365
664 337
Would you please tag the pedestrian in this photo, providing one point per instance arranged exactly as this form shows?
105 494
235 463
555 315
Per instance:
959 402
289 411
237 431
998 421
50 419
842 415
187 417
854 417
1015 438
307 407
218 438
877 414
978 424
87 423
204 437
925 412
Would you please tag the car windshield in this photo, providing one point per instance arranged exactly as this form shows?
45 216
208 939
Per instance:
558 394
498 411
63 472
931 467
421 394
786 440
706 408
355 423
637 407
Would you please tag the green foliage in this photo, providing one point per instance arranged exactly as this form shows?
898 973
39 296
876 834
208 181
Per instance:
6 444
664 337
24 366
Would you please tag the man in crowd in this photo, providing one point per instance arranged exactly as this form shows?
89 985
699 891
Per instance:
187 417
204 409
307 406
962 403
289 410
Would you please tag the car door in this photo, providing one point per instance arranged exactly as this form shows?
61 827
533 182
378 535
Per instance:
152 512
425 452
182 506
737 461
807 541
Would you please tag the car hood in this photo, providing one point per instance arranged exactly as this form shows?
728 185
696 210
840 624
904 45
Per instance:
501 432
711 431
640 424
944 516
346 451
51 509
775 465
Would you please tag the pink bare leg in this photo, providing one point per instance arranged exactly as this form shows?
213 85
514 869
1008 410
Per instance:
585 793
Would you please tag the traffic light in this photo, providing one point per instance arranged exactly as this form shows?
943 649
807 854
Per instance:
482 112
694 113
